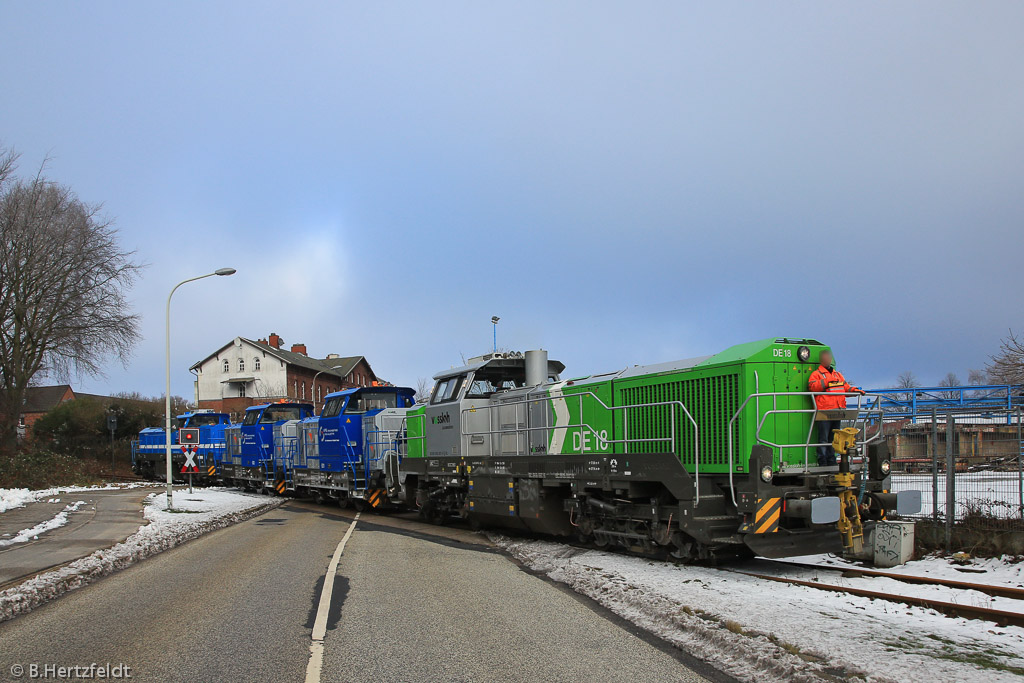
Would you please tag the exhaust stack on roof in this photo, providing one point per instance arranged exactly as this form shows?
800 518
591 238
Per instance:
536 367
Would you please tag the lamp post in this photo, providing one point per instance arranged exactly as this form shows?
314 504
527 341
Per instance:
312 388
167 395
494 321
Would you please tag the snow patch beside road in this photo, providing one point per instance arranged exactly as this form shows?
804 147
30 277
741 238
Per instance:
757 630
16 498
58 520
194 514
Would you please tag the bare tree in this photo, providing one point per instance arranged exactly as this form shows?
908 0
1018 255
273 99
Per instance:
906 380
1007 366
977 377
63 283
950 380
423 387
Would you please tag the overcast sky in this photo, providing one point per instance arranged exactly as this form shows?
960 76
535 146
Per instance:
622 183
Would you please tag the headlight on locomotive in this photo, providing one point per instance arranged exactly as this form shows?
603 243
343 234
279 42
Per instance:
885 466
803 353
766 474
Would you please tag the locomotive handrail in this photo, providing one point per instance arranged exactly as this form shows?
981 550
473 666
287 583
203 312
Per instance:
775 410
387 447
529 398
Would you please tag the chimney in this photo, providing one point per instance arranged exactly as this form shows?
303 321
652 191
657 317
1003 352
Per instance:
332 356
274 340
299 348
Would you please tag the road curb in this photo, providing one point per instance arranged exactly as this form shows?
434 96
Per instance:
42 588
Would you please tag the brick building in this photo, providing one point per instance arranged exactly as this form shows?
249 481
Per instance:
248 372
39 401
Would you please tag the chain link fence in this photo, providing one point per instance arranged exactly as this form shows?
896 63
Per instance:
968 467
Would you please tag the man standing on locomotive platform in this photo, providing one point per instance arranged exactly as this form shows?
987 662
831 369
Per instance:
832 388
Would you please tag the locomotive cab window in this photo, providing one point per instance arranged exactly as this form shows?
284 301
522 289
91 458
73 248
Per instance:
333 407
446 390
251 416
281 413
204 420
367 400
485 383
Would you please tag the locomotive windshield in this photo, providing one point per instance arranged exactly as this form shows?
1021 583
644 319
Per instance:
182 421
362 402
281 413
333 407
250 417
446 389
204 420
486 383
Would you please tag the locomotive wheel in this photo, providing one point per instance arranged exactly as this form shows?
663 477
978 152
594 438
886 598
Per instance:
319 497
360 504
432 513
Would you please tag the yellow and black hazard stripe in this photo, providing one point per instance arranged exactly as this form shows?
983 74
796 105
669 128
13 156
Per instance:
766 520
279 486
376 497
211 470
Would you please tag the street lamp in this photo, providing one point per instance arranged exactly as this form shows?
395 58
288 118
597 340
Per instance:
312 388
494 321
167 396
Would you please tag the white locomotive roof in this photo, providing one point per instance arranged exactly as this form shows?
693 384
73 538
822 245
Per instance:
639 370
554 366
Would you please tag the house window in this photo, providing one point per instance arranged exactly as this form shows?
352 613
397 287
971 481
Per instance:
295 387
227 366
241 365
241 391
319 393
255 363
303 391
21 420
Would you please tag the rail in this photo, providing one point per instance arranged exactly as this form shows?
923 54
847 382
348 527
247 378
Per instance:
581 425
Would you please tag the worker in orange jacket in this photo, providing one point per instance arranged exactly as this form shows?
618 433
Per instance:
832 388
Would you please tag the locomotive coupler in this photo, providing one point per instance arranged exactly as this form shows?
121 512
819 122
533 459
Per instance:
850 527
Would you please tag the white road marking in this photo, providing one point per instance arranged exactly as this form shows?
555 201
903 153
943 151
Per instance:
316 647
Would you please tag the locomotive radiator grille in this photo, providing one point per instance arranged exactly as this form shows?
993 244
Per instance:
711 401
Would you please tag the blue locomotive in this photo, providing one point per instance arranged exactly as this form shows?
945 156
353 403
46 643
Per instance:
249 461
149 455
349 453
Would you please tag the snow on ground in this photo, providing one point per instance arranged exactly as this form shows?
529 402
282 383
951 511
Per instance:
58 520
992 571
16 498
758 630
194 514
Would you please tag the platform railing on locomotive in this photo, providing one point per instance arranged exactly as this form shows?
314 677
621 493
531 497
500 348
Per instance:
856 417
384 443
861 414
604 440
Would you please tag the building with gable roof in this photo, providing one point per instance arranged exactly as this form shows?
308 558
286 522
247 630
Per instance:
247 372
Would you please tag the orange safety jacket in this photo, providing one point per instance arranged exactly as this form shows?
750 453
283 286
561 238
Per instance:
833 382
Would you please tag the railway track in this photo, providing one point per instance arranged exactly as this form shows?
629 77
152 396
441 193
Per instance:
951 609
853 572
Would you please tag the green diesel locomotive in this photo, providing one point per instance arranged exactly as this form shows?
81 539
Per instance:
703 458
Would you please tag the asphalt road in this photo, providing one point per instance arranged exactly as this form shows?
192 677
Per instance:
408 604
106 518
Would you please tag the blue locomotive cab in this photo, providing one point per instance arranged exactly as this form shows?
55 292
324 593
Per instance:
149 456
336 459
256 466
